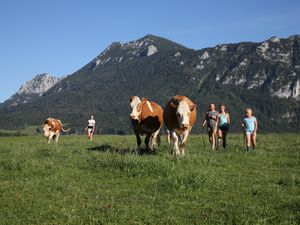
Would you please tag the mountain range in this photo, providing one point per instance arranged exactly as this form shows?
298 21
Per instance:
264 76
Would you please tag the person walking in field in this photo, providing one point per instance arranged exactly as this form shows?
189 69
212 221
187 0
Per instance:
250 126
91 127
211 120
223 126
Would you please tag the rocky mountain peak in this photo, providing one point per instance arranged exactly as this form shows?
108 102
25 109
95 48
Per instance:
39 84
146 46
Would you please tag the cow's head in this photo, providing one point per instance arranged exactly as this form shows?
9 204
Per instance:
136 107
183 110
47 127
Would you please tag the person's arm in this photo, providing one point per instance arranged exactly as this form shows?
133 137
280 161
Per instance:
228 119
205 120
255 126
243 123
94 127
209 116
215 117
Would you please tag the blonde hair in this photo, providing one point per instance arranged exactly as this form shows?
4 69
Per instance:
248 110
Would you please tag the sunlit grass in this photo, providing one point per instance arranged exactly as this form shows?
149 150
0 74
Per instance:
105 182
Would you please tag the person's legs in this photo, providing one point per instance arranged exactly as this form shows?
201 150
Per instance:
219 137
253 140
248 140
224 135
89 134
209 130
168 137
213 138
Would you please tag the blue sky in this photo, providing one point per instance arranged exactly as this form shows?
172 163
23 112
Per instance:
60 36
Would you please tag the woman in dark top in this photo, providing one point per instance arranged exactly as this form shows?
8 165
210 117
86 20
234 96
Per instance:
211 120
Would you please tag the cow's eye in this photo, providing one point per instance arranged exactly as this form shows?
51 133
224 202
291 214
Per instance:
178 114
49 128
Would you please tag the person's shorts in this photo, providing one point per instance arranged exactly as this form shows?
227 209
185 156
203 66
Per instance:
224 128
249 132
210 129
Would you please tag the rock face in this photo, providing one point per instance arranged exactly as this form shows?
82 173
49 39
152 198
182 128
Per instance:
264 76
32 89
38 85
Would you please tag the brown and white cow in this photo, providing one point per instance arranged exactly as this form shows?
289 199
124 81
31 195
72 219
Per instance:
52 129
179 118
146 118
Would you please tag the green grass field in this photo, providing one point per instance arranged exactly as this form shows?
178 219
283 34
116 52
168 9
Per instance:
101 182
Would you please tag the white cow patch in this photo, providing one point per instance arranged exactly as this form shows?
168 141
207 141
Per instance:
46 129
134 107
183 112
149 106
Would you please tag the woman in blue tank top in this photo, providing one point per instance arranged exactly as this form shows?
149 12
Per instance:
223 125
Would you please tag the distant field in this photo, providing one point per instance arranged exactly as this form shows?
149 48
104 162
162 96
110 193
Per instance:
29 130
102 182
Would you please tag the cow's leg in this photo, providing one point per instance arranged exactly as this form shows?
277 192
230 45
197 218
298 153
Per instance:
175 147
147 140
185 135
154 140
138 141
56 138
50 137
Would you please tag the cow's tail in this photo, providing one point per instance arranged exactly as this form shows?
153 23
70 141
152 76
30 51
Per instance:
67 130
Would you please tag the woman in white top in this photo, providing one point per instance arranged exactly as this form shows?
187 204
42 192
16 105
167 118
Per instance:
91 127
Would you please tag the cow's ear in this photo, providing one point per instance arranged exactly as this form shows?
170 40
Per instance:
143 100
131 98
174 103
192 106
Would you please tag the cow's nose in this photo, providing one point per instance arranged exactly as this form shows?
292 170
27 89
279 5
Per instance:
185 125
132 117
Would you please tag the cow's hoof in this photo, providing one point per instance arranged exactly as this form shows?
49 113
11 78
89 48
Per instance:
138 151
177 153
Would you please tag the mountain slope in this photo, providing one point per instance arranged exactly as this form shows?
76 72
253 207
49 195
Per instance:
262 75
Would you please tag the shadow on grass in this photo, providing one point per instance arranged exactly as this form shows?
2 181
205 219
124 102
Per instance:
120 150
112 149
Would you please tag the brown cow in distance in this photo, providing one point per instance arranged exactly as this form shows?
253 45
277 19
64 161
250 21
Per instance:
146 118
52 129
179 118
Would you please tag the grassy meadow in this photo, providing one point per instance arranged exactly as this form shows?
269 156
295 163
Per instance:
104 182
